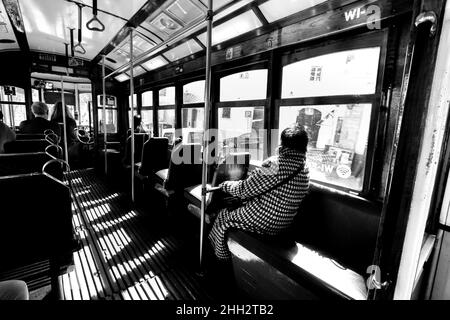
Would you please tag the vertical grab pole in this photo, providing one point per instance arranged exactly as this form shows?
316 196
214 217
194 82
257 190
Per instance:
77 103
66 154
132 113
105 135
206 135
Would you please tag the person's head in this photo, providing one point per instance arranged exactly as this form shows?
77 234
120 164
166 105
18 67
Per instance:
295 137
39 109
137 121
57 113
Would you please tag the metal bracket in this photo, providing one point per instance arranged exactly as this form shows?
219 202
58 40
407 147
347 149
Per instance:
428 16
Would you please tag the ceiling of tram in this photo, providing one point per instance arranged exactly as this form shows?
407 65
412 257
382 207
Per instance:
47 26
47 23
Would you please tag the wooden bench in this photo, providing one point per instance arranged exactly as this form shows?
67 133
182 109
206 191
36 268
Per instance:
326 256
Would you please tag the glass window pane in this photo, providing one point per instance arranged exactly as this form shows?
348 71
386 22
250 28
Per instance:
248 85
8 118
185 10
122 77
166 124
167 96
20 114
137 71
13 94
338 136
231 9
183 50
194 92
234 27
192 124
134 101
35 95
154 63
352 72
85 105
147 120
241 130
111 120
147 99
277 9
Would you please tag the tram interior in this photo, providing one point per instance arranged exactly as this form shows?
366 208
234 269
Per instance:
98 218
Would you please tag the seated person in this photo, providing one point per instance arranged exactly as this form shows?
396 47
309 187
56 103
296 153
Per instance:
272 193
39 123
58 120
137 126
13 290
6 134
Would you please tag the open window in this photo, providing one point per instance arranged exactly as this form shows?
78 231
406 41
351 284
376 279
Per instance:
147 111
110 114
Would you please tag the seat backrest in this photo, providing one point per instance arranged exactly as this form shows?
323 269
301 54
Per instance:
25 146
35 219
342 226
154 155
234 167
185 167
22 163
29 136
139 140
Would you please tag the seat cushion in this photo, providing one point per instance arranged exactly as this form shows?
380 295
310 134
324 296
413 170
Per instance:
310 273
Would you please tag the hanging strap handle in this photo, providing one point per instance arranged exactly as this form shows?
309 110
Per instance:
79 47
94 19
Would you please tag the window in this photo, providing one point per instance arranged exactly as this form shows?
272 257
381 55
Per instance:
110 114
167 96
241 113
340 87
147 111
147 99
85 108
352 72
147 120
248 85
12 104
338 136
192 124
166 124
194 92
35 95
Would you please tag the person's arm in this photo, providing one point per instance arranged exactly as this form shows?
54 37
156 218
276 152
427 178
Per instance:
259 181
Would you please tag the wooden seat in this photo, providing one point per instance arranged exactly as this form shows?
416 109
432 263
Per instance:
26 146
22 163
330 247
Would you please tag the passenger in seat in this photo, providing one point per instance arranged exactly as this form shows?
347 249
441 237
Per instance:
40 123
137 126
6 134
57 119
271 195
13 290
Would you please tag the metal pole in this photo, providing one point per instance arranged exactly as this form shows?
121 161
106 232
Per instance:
105 135
66 154
77 103
209 19
132 113
148 54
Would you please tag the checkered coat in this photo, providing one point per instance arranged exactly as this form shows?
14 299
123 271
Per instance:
270 213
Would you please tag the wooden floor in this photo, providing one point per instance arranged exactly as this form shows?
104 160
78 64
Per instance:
125 254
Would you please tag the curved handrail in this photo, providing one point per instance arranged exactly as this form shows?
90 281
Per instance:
62 162
48 131
58 148
49 139
87 135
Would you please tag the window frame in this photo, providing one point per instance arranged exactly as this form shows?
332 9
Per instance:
10 105
264 103
366 40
